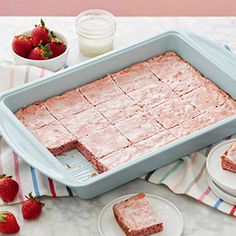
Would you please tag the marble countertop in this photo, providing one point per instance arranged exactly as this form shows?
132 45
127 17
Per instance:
73 216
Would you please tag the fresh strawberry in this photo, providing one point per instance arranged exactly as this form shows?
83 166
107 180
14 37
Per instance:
22 45
31 208
8 188
57 47
8 223
39 34
40 53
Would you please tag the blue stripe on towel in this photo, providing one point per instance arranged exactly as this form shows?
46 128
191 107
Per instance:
35 183
218 203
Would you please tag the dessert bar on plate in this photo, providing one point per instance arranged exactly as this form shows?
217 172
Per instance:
228 160
136 216
129 113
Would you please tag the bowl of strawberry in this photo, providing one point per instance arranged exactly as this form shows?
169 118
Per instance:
40 47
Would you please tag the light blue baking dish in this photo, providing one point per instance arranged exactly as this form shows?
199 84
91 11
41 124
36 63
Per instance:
216 63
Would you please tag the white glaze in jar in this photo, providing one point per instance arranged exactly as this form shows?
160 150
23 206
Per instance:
95 29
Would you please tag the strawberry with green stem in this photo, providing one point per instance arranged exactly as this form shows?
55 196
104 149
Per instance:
40 34
8 188
31 208
57 47
40 53
22 45
8 223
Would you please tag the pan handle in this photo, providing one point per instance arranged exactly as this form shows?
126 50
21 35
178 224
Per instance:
222 56
35 155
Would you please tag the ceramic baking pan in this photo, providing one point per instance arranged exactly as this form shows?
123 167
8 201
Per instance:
216 63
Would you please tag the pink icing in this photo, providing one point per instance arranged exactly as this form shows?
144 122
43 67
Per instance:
152 95
103 142
134 77
137 213
101 90
85 122
69 103
138 127
118 108
173 112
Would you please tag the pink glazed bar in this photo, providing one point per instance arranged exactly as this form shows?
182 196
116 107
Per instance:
129 113
136 216
228 160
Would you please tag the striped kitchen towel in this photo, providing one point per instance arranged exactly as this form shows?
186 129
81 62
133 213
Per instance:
188 176
185 176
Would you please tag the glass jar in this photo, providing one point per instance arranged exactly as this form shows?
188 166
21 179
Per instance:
95 29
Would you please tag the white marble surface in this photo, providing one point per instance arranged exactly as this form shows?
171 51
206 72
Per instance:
73 216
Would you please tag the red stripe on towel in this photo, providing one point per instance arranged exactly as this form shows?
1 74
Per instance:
52 187
232 211
17 174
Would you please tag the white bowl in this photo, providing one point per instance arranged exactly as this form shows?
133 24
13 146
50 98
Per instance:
52 64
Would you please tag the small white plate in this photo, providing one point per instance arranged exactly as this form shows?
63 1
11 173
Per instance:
169 213
223 178
220 193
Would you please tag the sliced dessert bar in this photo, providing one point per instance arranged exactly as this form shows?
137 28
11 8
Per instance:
101 143
134 77
118 108
206 119
85 122
138 127
166 65
152 95
173 112
185 81
117 158
136 216
67 104
101 90
55 138
35 116
190 126
228 160
218 114
205 98
154 142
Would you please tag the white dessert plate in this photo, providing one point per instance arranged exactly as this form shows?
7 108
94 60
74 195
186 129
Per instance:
169 213
221 193
223 178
